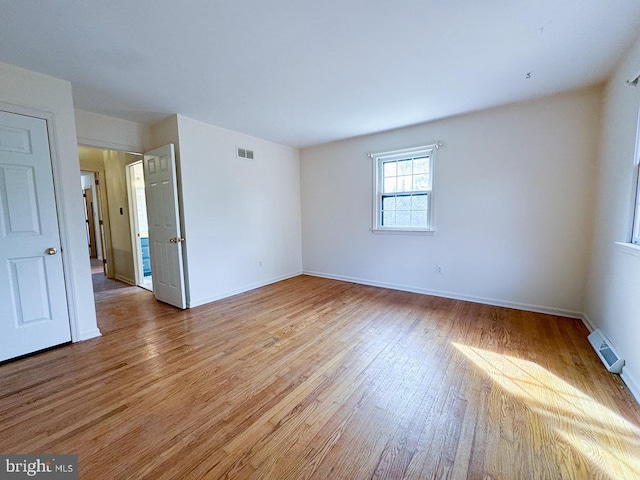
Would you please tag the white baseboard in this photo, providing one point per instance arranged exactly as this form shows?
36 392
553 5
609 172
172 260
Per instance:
89 334
633 386
236 291
588 322
125 279
437 293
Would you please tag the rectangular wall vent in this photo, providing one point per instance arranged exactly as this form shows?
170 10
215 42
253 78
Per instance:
605 351
245 153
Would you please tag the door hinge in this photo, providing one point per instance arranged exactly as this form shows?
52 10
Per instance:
101 222
104 260
97 182
84 195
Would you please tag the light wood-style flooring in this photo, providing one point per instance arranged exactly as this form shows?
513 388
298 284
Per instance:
315 378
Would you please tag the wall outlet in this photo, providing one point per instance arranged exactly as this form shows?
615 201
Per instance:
439 270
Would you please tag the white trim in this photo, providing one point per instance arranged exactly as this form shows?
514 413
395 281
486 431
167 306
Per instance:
405 151
455 296
588 322
631 384
629 248
635 201
88 335
134 230
236 291
635 229
126 280
95 143
399 231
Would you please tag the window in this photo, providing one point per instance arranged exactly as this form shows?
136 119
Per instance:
403 200
636 218
635 229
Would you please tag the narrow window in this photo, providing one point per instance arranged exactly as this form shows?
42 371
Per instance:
404 200
636 218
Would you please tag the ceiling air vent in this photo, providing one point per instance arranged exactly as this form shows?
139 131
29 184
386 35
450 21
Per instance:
245 153
605 351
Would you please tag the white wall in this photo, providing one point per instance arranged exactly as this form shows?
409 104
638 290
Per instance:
115 176
613 299
237 212
24 89
513 206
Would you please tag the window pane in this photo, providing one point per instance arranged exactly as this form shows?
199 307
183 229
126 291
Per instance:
419 218
421 182
403 218
421 165
389 219
419 202
389 169
388 203
403 202
405 183
404 167
389 185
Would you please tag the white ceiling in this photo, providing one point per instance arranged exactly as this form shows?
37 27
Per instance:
302 72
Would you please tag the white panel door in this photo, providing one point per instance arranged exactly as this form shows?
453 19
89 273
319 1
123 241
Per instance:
165 239
33 301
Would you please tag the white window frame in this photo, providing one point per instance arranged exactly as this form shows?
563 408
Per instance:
378 161
635 226
635 236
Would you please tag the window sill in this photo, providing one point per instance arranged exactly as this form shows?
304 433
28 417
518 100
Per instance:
388 231
629 248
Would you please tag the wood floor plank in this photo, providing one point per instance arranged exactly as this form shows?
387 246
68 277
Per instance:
312 378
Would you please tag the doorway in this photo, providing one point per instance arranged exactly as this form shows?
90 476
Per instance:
139 225
92 216
134 247
114 263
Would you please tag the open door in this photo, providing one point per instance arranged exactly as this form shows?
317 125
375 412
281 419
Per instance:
165 238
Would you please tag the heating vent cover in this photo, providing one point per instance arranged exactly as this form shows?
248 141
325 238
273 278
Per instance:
605 351
245 153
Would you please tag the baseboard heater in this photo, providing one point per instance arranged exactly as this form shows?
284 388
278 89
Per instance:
605 351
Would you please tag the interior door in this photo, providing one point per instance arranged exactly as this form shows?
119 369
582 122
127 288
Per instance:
165 239
33 301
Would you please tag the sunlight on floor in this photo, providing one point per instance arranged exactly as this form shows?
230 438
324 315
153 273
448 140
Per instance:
604 438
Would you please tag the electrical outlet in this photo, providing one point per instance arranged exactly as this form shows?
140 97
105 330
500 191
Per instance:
439 270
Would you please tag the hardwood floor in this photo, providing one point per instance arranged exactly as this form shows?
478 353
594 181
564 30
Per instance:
315 378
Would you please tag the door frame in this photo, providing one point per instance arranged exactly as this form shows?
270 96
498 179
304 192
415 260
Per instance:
135 227
61 212
102 226
90 220
101 192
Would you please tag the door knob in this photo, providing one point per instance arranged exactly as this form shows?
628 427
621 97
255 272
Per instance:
51 251
176 240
